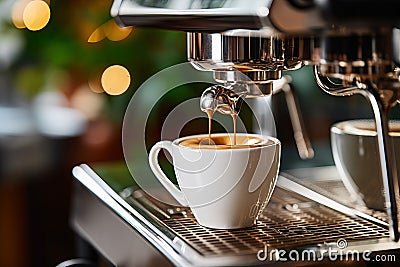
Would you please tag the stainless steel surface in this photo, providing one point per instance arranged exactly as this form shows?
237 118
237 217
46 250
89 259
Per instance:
352 54
111 236
260 55
118 232
193 15
297 218
295 16
354 41
301 137
364 65
261 38
251 50
333 188
290 221
385 147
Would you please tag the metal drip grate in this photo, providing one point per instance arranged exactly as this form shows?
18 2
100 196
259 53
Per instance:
289 221
336 191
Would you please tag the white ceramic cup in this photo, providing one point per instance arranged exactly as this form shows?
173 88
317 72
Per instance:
356 156
225 189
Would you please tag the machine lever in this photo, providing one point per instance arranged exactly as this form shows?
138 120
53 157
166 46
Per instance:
301 137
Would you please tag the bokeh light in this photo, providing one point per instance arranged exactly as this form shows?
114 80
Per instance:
88 102
116 33
94 82
18 12
36 15
31 14
97 35
111 31
115 80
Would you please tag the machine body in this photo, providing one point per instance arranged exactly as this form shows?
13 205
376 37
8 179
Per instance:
354 41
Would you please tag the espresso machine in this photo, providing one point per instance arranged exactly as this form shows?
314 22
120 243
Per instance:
354 48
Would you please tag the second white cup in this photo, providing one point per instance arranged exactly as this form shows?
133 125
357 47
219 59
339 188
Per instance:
356 156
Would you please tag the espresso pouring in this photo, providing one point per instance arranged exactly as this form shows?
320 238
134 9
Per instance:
225 100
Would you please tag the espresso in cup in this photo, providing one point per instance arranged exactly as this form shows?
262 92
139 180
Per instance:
224 141
225 185
356 156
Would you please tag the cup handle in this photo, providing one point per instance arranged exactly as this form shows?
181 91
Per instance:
155 167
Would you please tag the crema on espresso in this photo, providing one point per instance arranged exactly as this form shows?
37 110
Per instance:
224 142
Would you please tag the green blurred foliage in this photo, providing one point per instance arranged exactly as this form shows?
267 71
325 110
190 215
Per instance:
61 51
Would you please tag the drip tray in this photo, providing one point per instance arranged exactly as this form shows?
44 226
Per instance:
299 217
290 221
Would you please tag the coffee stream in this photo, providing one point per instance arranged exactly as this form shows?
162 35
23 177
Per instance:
225 100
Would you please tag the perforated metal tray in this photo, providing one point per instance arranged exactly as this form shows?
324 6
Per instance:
290 221
297 218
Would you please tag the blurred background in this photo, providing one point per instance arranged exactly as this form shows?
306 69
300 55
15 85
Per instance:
67 73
